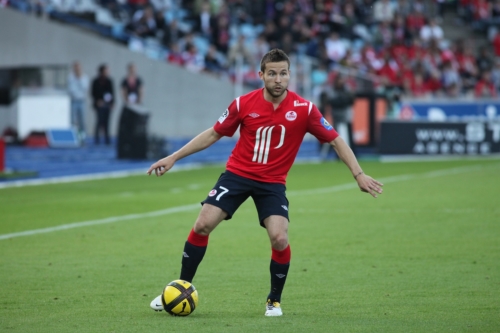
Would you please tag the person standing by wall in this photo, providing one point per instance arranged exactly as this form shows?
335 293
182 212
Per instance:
132 90
78 86
103 101
339 101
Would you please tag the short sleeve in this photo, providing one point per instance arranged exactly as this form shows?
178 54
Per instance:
318 126
228 122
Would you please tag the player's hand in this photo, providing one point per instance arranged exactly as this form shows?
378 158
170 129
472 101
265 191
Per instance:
369 185
161 166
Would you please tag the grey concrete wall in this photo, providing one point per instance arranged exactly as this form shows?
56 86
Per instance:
182 104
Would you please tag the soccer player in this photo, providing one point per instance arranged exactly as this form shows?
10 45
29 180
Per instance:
273 122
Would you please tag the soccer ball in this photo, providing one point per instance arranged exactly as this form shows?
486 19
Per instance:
179 298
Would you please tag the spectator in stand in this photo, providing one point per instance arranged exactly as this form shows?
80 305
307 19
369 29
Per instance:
205 22
433 57
418 88
483 60
383 35
135 5
496 44
193 59
350 27
364 11
78 88
284 26
132 87
239 13
221 35
467 67
259 48
300 31
403 8
143 23
398 51
400 33
287 44
115 8
383 11
495 75
450 79
485 87
389 72
240 49
213 62
335 47
480 11
175 55
271 34
414 49
103 97
163 5
415 21
431 31
433 83
171 33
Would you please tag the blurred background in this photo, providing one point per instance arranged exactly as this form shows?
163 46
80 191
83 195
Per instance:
92 86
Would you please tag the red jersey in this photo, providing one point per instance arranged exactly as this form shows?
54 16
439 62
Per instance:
270 139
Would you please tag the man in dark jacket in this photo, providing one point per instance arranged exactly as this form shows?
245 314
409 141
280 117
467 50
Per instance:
338 101
103 99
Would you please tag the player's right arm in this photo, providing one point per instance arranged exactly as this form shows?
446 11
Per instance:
201 141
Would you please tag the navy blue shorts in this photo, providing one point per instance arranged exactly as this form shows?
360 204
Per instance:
232 190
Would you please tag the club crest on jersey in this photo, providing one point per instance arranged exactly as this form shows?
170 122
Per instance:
212 193
326 124
297 103
291 115
224 116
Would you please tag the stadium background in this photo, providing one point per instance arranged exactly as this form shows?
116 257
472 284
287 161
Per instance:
89 256
46 37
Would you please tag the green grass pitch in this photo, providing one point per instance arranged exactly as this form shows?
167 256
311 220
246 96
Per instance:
423 257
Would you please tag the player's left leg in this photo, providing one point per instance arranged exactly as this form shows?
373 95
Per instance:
277 229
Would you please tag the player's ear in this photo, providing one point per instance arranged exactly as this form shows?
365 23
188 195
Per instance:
261 75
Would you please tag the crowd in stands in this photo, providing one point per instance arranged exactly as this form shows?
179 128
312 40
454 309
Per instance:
378 45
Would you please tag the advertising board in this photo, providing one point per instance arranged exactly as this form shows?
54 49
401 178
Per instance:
439 138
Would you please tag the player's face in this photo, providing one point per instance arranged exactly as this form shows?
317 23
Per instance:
276 77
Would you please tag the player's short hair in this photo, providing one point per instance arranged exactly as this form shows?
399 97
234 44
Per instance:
275 55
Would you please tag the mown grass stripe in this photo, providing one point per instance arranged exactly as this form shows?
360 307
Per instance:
173 210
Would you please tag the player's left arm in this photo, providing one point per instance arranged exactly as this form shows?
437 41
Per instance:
365 182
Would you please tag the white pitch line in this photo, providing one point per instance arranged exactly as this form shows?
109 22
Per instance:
93 176
107 220
173 210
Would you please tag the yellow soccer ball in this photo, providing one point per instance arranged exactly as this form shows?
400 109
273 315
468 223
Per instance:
179 298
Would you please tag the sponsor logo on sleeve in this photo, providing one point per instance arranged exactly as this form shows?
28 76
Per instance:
326 124
212 193
291 115
297 103
224 116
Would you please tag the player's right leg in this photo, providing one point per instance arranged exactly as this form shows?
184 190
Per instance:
197 242
196 245
226 196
